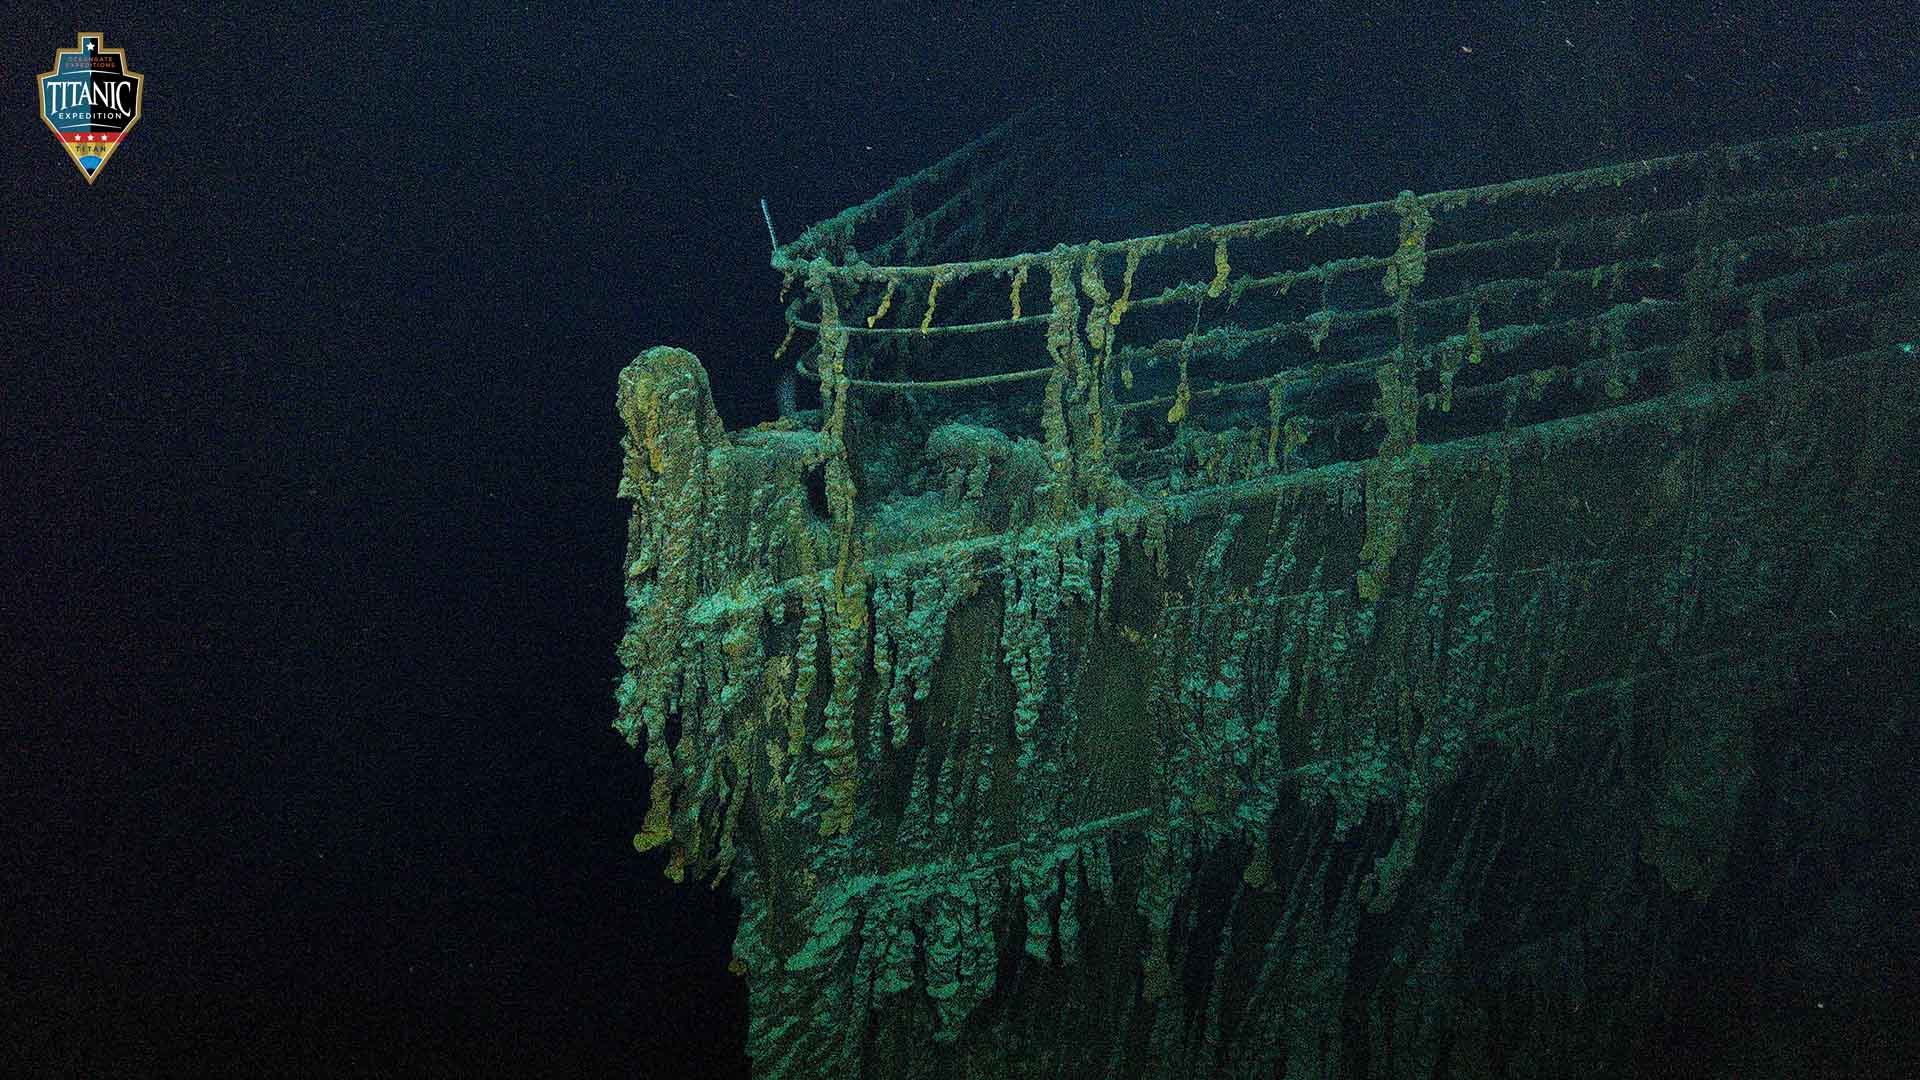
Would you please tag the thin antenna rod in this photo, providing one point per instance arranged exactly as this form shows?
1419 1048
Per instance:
768 215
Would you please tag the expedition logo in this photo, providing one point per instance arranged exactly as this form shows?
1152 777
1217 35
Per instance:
91 100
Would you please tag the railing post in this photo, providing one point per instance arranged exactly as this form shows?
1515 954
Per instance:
834 387
1389 477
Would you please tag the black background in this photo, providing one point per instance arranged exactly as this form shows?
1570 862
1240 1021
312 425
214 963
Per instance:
311 557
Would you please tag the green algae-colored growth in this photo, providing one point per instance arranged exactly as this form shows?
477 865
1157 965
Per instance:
1197 676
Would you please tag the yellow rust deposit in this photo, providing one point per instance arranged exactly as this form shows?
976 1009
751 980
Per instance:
1142 686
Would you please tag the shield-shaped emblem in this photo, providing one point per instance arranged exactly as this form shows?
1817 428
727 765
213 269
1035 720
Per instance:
91 100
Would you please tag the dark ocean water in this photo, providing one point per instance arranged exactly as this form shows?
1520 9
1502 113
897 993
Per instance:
311 556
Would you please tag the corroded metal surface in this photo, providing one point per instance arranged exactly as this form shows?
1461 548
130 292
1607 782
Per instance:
1119 737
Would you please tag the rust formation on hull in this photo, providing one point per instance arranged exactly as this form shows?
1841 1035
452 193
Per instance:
1331 644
